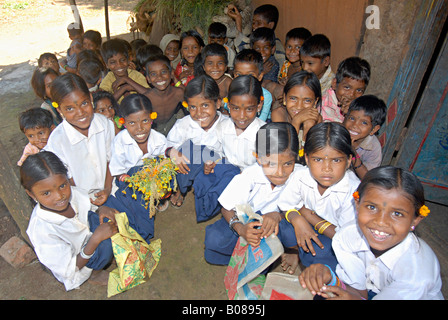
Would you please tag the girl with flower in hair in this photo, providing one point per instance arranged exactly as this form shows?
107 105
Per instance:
379 256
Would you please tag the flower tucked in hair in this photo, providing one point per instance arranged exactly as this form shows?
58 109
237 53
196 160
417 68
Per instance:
301 153
185 104
262 98
55 105
356 195
424 211
225 100
121 120
153 115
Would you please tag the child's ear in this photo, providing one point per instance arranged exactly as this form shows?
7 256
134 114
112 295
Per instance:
271 25
30 194
334 84
273 50
52 127
375 129
326 61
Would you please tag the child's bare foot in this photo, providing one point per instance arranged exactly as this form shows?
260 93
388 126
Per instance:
177 199
290 262
99 277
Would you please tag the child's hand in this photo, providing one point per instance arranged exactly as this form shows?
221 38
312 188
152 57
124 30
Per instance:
105 231
270 224
186 73
106 212
209 167
234 14
304 234
267 66
315 277
123 177
119 82
100 197
180 160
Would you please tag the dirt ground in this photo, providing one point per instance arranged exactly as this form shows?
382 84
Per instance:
182 273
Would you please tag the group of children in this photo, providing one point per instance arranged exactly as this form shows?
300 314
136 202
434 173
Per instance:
252 122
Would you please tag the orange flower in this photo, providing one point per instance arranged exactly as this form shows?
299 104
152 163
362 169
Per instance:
185 104
261 98
153 115
225 100
356 195
424 211
121 120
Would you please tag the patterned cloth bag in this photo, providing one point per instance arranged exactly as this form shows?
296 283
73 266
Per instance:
136 259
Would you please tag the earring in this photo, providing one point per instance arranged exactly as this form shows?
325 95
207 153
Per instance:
412 228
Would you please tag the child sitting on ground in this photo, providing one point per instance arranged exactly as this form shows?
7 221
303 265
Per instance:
379 256
75 33
36 124
250 62
350 82
294 41
262 40
49 60
41 81
315 56
365 117
166 99
213 61
217 33
120 80
104 103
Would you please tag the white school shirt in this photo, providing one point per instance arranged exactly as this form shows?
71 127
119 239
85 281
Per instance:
408 271
336 205
187 129
86 157
57 240
251 187
239 149
127 154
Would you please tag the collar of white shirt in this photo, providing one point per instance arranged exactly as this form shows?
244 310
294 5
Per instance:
74 136
341 186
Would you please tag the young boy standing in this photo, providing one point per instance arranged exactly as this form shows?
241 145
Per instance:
365 117
315 57
350 82
121 80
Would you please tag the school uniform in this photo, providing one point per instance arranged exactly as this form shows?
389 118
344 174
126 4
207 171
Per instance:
86 158
58 240
249 187
336 205
239 149
127 154
408 271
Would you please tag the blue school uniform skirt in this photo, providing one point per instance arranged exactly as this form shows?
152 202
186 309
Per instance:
207 188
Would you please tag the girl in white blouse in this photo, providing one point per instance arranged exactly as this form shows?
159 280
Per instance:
379 256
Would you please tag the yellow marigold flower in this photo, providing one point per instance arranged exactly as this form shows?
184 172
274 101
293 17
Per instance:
124 191
55 104
185 104
153 115
301 152
225 100
356 195
424 211
134 196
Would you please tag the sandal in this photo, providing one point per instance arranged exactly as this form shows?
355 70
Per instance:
163 206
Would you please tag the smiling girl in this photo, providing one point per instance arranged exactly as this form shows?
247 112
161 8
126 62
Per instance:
83 140
380 257
191 44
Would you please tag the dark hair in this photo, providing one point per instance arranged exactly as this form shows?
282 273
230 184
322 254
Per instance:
93 36
317 46
298 33
136 44
40 166
262 34
89 54
372 106
203 84
355 68
217 30
113 47
331 134
38 81
146 52
389 177
159 57
134 103
190 33
45 55
251 56
305 78
269 12
276 138
100 95
35 118
91 70
66 84
213 49
245 84
75 28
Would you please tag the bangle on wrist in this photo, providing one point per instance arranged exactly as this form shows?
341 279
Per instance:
84 255
357 167
334 279
324 227
232 221
321 221
289 211
167 152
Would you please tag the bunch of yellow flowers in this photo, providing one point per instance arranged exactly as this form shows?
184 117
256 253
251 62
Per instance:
153 181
